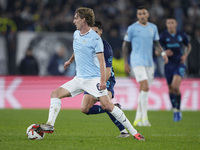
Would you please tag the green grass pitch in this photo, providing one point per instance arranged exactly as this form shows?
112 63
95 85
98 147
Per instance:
76 131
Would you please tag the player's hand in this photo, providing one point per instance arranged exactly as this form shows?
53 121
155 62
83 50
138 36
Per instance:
157 53
102 85
67 64
169 52
127 68
165 59
183 58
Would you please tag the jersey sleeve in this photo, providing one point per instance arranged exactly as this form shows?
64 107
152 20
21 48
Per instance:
75 33
162 40
156 35
185 39
108 54
98 45
129 34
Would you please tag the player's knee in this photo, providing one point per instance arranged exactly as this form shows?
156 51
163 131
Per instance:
109 107
176 90
84 110
54 94
145 88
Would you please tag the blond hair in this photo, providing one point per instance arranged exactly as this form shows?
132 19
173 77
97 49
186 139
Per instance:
86 13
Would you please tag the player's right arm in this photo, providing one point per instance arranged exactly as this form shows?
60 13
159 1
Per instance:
102 65
125 47
67 63
159 49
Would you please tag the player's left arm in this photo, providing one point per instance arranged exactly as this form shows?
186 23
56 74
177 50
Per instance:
67 63
125 47
160 50
108 73
108 56
187 51
101 59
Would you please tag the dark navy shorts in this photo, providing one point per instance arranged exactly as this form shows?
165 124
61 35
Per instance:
171 70
110 87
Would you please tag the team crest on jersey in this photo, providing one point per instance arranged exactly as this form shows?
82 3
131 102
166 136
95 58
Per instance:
179 38
151 30
85 41
167 39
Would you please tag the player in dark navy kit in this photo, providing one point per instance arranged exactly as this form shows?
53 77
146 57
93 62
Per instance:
172 42
88 101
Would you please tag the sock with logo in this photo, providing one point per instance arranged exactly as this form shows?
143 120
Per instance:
144 103
173 100
115 121
178 101
96 109
120 116
138 116
54 110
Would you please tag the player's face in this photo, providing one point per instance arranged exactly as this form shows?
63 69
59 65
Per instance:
78 21
171 25
142 15
97 30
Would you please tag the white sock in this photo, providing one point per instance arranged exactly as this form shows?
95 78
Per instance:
120 116
124 131
139 110
144 103
54 110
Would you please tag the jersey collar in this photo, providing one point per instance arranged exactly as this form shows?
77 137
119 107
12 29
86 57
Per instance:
85 33
142 24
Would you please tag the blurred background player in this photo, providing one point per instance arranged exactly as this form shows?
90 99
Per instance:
172 42
88 100
142 35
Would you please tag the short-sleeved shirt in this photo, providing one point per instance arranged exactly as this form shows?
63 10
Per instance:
175 43
108 55
85 48
141 38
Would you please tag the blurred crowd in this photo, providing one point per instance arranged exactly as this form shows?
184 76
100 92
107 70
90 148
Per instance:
116 15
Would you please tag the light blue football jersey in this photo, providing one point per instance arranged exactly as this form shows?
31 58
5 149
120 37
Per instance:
85 49
141 38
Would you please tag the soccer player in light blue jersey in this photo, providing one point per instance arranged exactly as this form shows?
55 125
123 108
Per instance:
88 101
172 41
90 74
142 35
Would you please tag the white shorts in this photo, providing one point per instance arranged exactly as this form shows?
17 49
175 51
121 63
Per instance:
79 85
144 73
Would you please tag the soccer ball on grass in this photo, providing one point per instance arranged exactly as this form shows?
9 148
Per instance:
32 134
